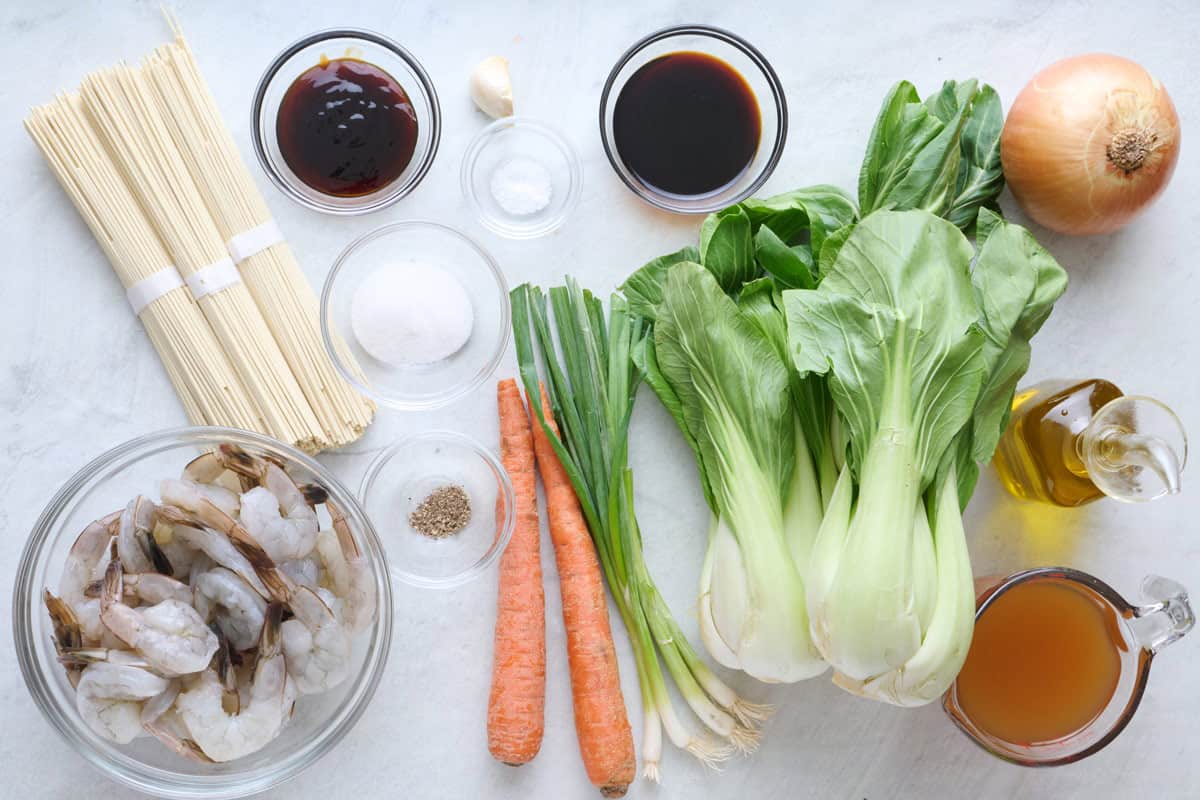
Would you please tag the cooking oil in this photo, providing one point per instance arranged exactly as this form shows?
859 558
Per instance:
1073 442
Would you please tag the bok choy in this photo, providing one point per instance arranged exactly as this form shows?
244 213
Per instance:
922 355
730 387
845 435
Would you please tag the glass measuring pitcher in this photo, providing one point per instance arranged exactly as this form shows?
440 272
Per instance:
1017 720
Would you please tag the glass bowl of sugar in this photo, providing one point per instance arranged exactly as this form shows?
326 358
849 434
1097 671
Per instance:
521 177
415 314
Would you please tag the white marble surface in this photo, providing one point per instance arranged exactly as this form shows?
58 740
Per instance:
78 376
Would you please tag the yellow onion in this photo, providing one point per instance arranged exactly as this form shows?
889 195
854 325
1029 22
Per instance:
1089 143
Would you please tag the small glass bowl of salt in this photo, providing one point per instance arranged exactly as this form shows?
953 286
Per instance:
521 177
415 314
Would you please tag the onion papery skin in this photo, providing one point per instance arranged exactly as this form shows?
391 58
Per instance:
1058 147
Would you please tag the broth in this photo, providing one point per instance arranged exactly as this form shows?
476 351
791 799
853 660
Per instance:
686 124
1044 662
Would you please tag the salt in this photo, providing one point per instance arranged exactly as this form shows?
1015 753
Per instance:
411 313
521 186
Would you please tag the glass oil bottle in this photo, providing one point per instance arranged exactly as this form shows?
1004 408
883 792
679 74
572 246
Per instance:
1072 442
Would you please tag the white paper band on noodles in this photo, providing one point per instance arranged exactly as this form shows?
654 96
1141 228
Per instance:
147 290
213 278
254 241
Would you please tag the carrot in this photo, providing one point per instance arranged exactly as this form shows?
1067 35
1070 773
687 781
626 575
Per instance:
515 721
601 724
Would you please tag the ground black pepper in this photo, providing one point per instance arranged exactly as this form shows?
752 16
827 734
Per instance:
446 511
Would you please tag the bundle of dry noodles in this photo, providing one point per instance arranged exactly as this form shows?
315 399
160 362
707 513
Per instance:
149 164
208 387
264 258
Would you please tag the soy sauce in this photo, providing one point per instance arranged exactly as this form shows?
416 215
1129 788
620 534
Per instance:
686 124
346 128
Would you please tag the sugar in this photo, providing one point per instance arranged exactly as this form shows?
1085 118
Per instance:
411 313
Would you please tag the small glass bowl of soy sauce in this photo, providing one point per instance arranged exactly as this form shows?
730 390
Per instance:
693 119
346 121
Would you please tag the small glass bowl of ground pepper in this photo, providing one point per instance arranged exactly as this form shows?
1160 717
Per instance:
442 504
346 121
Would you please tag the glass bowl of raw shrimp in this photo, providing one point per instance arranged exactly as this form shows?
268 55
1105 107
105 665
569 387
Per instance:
318 720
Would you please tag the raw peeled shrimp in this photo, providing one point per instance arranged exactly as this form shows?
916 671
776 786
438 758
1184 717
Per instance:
201 565
208 469
277 512
109 698
223 736
80 567
280 518
229 502
95 633
304 571
154 708
160 720
178 552
237 609
146 587
135 538
347 573
83 557
189 529
315 643
170 635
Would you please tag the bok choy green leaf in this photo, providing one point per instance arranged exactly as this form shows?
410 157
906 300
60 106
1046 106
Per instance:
941 154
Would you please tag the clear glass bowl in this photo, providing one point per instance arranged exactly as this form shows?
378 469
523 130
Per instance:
364 45
404 474
417 386
320 721
759 75
521 139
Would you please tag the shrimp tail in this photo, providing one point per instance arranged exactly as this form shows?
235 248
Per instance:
271 641
277 584
67 631
238 460
83 656
173 515
314 494
158 558
114 585
345 536
184 747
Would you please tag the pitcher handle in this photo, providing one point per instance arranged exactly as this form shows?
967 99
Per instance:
1167 619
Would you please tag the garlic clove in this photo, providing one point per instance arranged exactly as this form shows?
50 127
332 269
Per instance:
491 87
